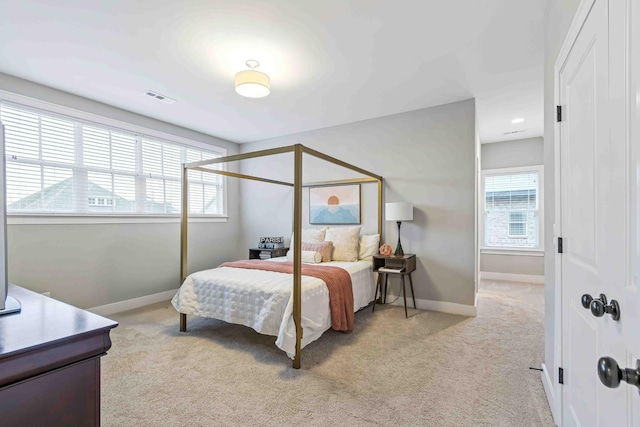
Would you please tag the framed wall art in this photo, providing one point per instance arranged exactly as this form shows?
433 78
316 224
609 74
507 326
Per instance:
335 204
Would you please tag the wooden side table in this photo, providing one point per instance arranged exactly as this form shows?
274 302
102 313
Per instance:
402 265
254 253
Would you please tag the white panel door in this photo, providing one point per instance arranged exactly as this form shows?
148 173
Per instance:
583 97
595 176
631 296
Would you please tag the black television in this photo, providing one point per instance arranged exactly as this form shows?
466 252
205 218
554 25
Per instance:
8 304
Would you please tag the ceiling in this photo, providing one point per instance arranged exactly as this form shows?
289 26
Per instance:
331 62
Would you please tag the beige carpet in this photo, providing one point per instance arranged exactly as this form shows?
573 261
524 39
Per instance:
433 369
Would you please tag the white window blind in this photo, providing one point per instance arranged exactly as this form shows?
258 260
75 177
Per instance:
511 209
58 164
512 191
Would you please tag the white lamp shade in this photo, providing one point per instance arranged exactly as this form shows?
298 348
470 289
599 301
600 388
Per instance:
253 84
398 211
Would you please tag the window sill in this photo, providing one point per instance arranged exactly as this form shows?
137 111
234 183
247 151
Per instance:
513 251
35 219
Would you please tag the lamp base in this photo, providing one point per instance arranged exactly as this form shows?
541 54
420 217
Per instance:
399 252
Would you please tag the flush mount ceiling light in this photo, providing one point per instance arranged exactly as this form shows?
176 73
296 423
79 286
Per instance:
517 120
252 83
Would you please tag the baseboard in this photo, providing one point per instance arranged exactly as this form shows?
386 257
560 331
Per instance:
441 306
547 383
130 304
510 277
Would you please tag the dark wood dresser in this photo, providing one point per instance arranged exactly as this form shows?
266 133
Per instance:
50 363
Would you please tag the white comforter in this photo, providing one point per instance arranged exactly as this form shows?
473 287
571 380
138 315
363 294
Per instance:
263 300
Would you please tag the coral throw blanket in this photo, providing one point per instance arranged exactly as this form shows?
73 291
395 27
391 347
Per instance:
337 279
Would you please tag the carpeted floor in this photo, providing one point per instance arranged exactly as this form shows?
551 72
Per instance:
433 369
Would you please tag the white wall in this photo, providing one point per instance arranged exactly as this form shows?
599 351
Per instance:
511 154
426 157
558 17
89 265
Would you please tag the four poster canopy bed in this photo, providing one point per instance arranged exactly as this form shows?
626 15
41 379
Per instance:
269 296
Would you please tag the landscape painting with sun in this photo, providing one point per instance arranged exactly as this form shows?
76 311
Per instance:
334 204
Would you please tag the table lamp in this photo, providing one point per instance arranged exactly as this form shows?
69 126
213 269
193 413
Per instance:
398 212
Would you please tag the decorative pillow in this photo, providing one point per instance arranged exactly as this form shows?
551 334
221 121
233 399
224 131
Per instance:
368 246
345 243
308 257
324 248
312 235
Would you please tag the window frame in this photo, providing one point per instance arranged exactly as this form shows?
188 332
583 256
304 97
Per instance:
23 218
540 211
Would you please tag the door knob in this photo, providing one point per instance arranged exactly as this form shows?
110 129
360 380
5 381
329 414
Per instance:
599 308
610 373
587 299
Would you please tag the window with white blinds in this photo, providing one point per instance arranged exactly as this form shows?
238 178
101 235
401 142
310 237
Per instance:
58 164
512 213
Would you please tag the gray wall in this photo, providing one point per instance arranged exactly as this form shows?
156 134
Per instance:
512 264
512 154
89 265
427 157
558 17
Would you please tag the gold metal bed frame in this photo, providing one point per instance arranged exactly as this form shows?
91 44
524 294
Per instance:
297 185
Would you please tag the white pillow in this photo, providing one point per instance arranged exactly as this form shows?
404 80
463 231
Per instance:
311 235
314 234
369 245
308 257
345 243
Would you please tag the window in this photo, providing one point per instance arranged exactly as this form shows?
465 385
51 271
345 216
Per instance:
61 165
512 211
100 201
517 224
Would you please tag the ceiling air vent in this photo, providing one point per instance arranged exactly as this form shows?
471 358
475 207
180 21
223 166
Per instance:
515 131
159 97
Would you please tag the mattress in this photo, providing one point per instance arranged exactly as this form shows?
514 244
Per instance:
263 300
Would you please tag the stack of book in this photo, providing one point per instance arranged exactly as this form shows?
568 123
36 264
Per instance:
265 255
271 243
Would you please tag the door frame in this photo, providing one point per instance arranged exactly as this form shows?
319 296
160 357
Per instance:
550 380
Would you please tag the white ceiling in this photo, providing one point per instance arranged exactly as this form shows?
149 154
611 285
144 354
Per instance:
331 62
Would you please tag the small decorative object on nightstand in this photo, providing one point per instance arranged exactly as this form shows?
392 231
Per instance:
402 265
259 253
271 243
385 250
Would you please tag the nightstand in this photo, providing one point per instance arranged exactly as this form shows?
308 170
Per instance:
402 265
254 253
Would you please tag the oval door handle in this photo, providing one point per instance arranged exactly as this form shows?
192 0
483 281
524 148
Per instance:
598 309
611 375
587 299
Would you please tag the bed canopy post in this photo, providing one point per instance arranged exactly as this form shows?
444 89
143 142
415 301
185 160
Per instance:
380 209
183 237
297 252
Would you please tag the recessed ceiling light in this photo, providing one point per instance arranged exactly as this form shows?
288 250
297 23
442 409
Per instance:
517 120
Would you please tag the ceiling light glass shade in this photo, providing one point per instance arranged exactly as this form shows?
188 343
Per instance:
253 84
